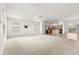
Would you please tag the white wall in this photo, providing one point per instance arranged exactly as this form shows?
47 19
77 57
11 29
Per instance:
70 21
23 17
33 27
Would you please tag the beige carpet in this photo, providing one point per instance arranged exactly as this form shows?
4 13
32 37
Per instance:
41 45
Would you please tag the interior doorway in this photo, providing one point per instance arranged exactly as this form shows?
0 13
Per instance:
53 29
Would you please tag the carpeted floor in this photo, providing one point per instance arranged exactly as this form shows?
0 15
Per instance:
41 45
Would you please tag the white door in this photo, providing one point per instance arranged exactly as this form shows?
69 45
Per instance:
1 31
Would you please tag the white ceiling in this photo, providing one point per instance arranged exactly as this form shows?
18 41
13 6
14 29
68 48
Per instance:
47 10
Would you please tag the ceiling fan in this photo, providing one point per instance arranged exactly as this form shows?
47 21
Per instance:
38 17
